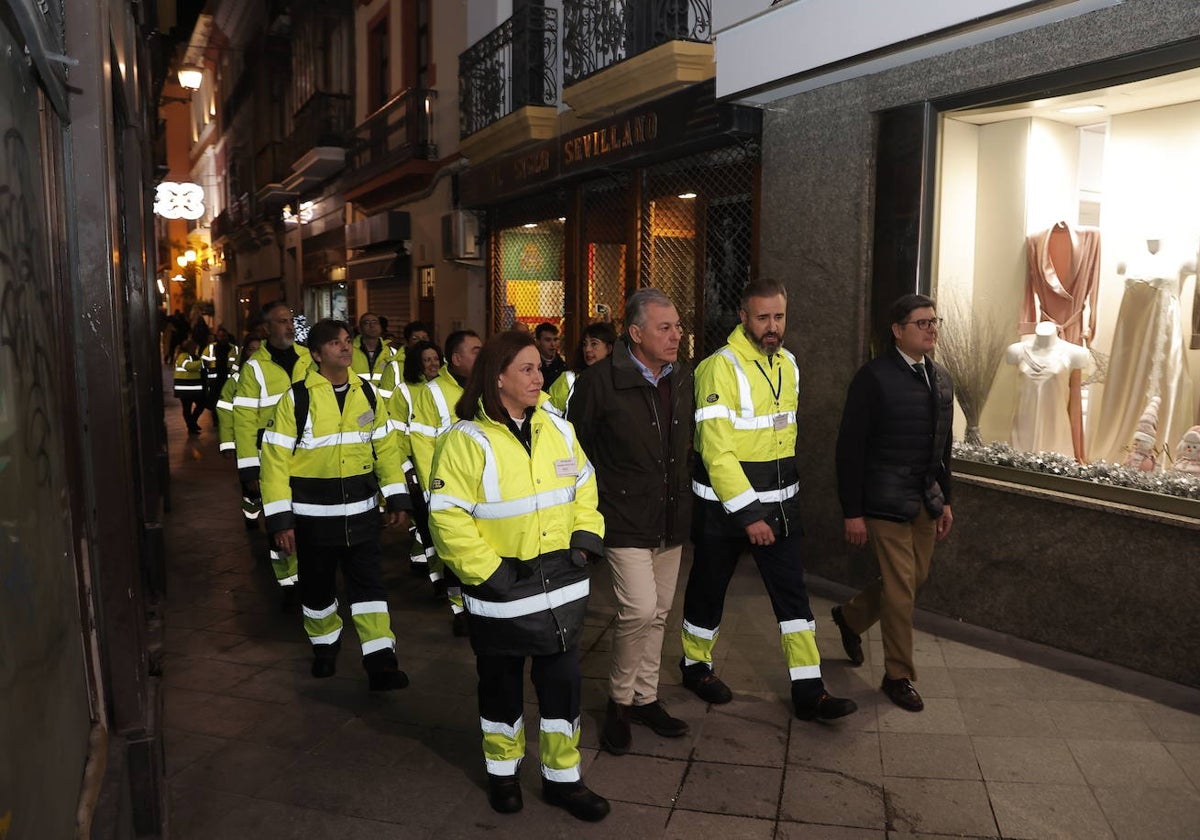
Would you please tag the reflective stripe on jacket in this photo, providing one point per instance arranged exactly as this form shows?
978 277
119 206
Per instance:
432 415
327 477
358 362
225 413
187 375
261 384
505 520
746 438
560 393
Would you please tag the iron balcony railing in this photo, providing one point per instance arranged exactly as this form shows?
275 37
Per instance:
514 65
600 33
271 165
401 130
324 120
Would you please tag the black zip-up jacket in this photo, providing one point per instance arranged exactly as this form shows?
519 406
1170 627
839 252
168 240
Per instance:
641 472
893 448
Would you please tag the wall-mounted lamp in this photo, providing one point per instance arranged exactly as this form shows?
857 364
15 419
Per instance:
190 77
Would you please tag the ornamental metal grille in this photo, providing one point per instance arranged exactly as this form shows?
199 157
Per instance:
599 33
512 66
605 233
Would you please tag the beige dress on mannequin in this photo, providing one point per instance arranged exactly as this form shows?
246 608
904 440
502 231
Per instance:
1062 283
1044 364
1148 360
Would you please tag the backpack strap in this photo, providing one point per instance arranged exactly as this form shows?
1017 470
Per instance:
300 402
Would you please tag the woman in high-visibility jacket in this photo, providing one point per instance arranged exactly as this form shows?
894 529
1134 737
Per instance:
189 388
513 514
403 374
596 344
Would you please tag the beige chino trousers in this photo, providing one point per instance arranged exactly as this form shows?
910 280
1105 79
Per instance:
644 583
905 553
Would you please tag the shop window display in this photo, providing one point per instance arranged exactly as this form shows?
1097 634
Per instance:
1065 265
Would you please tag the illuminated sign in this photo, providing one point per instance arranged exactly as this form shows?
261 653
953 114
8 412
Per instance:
174 200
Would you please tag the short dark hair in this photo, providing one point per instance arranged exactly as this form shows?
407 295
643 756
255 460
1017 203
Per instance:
413 373
600 330
365 314
545 327
271 305
483 385
763 287
904 306
455 339
415 327
325 331
245 352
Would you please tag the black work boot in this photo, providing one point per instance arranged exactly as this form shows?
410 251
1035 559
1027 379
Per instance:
656 716
700 679
383 671
579 802
504 794
616 736
811 701
325 659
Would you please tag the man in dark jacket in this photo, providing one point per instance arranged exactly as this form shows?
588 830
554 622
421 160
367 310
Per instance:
893 468
633 412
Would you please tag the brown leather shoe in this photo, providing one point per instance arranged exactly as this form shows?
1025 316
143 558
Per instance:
902 693
615 736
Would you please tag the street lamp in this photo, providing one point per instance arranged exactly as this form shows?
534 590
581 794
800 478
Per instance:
190 77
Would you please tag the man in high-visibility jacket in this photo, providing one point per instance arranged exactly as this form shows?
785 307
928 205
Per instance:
261 383
747 486
328 455
432 415
371 352
251 502
220 362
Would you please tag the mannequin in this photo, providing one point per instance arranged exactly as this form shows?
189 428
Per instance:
1045 363
1187 454
1148 357
1062 284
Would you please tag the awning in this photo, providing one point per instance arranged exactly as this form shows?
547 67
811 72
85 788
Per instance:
383 265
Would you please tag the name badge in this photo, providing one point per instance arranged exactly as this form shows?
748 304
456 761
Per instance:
566 468
780 422
366 417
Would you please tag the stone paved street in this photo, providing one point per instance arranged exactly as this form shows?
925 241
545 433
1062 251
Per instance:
1017 740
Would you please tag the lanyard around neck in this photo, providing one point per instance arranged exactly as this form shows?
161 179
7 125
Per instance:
777 387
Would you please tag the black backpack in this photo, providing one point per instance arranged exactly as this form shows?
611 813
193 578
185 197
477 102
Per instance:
300 401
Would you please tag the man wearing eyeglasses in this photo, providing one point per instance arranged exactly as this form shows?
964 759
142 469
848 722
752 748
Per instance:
371 352
893 469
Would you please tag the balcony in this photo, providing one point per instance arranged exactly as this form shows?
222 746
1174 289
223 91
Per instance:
392 152
316 148
508 85
271 167
620 53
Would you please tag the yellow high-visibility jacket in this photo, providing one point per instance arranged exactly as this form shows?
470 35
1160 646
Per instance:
260 385
358 363
432 414
225 413
209 357
516 525
326 479
560 393
746 405
187 375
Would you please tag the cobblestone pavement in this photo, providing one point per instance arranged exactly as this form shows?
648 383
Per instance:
1017 740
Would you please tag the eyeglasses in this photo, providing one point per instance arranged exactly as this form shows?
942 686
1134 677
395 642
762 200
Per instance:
367 321
926 323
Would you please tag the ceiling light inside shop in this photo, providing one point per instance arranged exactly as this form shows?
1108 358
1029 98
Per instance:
687 195
1081 109
530 225
562 218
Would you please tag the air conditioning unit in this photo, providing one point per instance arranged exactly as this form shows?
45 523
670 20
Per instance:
461 236
392 228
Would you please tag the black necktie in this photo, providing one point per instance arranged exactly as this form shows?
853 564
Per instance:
919 367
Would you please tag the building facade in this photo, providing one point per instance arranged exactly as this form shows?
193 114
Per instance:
1023 163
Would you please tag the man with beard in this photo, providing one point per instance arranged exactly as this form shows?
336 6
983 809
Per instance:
267 375
747 487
